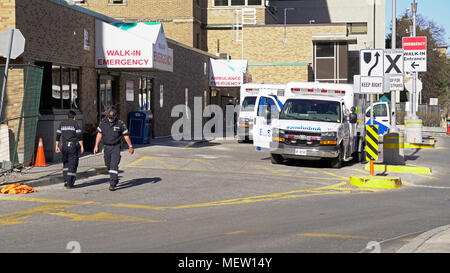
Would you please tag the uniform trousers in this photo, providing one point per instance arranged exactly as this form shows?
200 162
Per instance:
112 159
70 157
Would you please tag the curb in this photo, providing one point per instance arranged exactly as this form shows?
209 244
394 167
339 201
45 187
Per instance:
399 168
379 182
417 242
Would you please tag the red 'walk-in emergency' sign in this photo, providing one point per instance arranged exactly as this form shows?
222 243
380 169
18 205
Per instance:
415 54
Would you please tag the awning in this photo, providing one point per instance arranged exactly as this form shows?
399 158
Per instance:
132 46
227 73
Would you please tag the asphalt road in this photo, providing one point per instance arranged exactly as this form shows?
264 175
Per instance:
226 197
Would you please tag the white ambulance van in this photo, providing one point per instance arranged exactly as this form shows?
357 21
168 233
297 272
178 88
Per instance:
250 95
317 121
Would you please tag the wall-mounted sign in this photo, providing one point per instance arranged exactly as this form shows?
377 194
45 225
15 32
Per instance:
133 45
227 73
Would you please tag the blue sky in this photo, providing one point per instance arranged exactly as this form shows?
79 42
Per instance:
436 10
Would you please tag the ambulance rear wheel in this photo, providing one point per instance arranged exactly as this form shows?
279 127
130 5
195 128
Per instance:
276 158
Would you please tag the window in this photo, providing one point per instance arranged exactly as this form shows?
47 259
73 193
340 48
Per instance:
254 2
356 28
330 62
248 104
60 88
325 50
226 3
119 2
314 110
220 3
265 103
238 2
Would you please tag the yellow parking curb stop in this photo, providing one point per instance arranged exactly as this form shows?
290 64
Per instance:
399 168
380 182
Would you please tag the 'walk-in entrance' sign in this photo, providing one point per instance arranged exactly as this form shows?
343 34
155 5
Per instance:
415 54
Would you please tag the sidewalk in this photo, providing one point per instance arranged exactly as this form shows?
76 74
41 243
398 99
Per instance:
434 241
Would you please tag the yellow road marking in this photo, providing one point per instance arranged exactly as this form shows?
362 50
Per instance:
18 217
236 232
325 190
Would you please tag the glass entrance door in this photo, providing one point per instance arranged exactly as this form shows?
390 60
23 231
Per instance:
106 94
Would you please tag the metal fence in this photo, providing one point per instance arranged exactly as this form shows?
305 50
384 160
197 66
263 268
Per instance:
19 117
429 114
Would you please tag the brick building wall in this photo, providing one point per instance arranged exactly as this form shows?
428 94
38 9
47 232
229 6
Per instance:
270 59
181 19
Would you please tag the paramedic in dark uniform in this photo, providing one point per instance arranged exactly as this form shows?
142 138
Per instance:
71 138
112 130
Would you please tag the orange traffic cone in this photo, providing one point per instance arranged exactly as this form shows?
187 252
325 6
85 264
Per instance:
40 156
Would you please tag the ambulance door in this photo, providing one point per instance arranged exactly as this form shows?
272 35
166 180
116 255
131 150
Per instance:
381 116
265 114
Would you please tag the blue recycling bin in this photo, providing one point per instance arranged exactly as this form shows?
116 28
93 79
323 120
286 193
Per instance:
140 126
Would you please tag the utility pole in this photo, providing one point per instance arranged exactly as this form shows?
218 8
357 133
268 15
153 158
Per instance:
394 46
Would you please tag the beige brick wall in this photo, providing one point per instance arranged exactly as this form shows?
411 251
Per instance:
224 15
7 14
180 18
264 44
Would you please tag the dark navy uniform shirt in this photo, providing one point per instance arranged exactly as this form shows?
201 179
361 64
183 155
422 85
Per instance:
69 131
112 132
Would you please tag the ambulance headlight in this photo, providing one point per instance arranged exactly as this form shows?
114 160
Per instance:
329 135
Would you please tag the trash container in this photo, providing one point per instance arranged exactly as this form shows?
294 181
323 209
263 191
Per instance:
448 127
140 126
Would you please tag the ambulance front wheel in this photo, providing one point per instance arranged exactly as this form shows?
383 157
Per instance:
338 161
276 158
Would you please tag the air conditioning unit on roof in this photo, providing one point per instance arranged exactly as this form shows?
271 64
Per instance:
223 55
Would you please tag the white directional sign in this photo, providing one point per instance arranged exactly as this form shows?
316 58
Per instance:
371 62
415 54
393 66
372 70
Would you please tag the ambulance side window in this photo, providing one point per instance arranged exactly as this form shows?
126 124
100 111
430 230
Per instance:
266 101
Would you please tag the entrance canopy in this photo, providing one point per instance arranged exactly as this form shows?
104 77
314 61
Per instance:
132 46
227 73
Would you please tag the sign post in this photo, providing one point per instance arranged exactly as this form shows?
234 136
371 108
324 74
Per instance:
12 44
372 81
415 60
393 66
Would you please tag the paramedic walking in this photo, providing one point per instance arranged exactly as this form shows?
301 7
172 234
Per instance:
112 130
71 138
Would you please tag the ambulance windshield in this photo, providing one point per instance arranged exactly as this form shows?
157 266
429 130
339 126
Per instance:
248 104
314 110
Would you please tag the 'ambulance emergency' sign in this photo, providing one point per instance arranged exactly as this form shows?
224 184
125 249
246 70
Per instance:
415 54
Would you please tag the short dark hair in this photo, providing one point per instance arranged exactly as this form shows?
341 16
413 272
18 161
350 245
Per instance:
72 114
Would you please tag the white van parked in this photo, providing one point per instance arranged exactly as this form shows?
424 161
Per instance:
317 120
251 95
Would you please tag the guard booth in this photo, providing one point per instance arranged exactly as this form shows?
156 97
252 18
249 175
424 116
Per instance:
140 127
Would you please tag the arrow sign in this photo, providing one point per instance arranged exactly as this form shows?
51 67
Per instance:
372 62
415 56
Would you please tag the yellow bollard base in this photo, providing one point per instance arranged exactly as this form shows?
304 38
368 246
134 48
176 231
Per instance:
379 182
399 168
